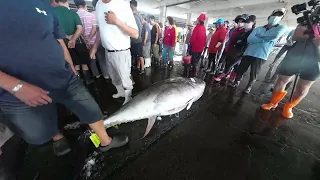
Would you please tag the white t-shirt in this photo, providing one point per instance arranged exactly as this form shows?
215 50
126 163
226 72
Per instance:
113 38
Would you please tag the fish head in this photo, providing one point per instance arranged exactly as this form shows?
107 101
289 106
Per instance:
199 85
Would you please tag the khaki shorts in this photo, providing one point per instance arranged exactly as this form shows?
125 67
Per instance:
146 50
155 51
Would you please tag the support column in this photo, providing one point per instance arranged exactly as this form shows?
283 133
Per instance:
206 22
163 14
189 18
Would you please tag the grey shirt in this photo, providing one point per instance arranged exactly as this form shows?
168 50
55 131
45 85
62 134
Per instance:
146 28
138 19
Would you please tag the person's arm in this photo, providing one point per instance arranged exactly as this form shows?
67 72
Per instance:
173 39
94 28
157 34
275 35
130 27
95 47
27 93
77 34
145 37
193 37
253 37
67 56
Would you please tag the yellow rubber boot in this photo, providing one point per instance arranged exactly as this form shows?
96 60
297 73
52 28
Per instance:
287 109
277 96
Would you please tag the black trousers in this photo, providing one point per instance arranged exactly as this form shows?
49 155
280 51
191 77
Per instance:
255 65
230 62
212 61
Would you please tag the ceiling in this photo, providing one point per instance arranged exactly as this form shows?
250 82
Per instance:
227 9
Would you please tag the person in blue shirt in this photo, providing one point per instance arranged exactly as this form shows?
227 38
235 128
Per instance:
34 78
261 42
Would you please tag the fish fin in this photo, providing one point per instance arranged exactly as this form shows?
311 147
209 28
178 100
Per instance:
190 104
151 122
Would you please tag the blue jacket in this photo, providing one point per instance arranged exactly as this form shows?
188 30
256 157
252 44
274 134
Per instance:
261 41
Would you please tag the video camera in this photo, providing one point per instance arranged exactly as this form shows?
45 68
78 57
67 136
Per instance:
310 18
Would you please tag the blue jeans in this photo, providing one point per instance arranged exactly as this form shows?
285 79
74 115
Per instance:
167 54
38 125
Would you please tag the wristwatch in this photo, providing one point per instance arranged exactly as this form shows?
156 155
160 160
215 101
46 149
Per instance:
17 87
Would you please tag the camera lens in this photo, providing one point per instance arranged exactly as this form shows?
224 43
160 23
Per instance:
299 8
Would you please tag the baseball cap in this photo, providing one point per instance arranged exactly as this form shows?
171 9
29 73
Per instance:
202 17
240 17
251 18
219 21
282 10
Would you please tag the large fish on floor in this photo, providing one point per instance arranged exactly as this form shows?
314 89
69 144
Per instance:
161 99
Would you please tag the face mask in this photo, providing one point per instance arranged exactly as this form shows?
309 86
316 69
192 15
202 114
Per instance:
241 25
274 20
248 25
166 24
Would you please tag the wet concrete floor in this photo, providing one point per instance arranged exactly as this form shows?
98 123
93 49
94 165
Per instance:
223 136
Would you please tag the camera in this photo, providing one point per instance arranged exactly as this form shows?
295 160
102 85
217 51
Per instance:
311 16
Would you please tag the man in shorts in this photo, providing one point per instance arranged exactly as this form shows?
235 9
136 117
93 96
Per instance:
146 38
136 43
35 79
71 24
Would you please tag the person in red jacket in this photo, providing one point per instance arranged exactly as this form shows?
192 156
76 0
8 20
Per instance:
198 42
217 40
169 42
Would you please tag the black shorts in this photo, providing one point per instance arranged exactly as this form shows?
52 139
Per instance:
136 50
80 54
298 61
196 56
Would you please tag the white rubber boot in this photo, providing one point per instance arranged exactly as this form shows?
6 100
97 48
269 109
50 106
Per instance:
128 94
120 92
147 62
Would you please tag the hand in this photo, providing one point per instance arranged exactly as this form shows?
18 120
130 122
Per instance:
316 41
154 45
69 37
111 18
144 43
74 70
33 95
72 44
93 52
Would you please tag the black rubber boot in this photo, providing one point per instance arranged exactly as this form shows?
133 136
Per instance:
117 141
87 77
61 147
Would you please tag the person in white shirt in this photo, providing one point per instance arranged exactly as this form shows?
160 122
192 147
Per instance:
116 25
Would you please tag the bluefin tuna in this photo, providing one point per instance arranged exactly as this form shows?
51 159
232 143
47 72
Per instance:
161 99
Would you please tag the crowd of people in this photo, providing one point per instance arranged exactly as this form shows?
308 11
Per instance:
68 47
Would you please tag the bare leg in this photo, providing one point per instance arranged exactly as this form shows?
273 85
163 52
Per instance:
85 67
77 67
99 129
281 82
302 89
141 60
138 63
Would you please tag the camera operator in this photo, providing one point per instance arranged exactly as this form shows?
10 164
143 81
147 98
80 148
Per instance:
303 59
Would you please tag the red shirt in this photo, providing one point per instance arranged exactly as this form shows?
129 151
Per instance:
220 35
169 38
232 38
198 38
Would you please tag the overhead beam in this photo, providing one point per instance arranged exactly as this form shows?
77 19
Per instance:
217 5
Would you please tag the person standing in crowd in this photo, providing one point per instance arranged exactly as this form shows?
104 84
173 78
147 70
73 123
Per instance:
155 37
72 26
208 39
101 54
303 59
146 39
188 37
197 42
169 42
116 16
31 94
283 50
217 40
261 42
89 23
136 43
236 47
